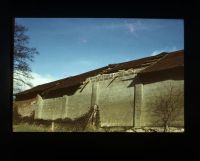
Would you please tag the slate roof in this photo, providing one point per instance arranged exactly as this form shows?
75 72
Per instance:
162 61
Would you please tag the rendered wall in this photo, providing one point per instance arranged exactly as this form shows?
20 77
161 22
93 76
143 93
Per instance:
152 93
53 108
50 109
71 107
122 101
38 107
116 102
80 102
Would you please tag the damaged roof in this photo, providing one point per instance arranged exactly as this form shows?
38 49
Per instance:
169 61
162 61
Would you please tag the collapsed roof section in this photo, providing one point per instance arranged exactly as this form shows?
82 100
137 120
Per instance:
160 62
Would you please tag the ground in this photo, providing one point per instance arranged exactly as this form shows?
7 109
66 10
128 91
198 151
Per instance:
26 127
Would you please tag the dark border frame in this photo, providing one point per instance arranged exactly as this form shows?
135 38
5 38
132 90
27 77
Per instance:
104 144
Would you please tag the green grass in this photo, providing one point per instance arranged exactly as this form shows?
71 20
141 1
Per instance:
33 127
25 127
59 127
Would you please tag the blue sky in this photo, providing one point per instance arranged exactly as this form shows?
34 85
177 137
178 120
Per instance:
70 46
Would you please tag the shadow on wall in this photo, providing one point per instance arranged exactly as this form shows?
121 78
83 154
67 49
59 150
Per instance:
147 78
59 93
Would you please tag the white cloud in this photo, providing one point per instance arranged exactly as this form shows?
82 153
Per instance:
125 26
156 52
128 25
131 28
174 48
134 26
41 79
37 80
84 41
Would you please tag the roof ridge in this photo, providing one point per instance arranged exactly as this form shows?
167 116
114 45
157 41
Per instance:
177 51
156 61
165 58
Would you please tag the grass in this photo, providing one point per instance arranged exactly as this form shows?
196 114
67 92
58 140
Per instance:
63 127
25 127
29 124
58 127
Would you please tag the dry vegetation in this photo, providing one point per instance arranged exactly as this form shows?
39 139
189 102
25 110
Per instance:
167 106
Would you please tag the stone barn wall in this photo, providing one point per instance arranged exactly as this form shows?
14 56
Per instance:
52 109
80 102
152 92
116 102
113 96
121 99
72 106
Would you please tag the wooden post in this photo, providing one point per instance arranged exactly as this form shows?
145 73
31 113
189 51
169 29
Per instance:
94 93
52 126
138 104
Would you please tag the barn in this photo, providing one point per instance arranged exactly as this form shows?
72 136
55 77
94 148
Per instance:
129 94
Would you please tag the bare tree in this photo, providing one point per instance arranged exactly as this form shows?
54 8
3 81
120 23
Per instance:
168 105
22 56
